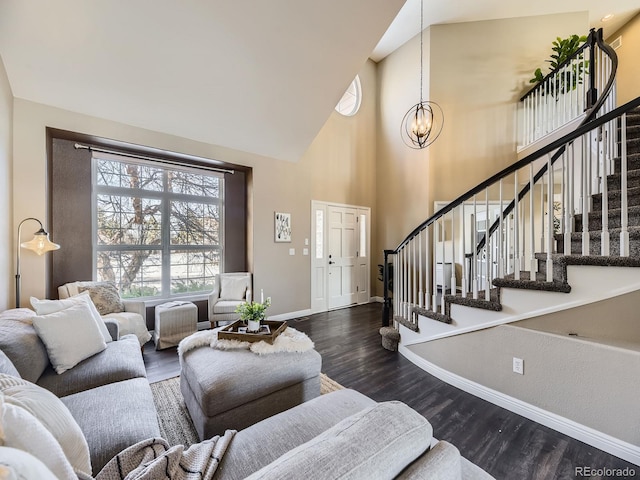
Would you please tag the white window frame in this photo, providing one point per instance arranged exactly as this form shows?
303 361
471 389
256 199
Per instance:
165 196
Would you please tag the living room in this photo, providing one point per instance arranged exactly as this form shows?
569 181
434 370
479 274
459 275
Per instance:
357 160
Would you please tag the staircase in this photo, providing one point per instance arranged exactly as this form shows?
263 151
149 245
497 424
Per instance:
533 239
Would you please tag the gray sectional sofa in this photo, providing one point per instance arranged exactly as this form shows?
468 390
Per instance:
343 434
108 394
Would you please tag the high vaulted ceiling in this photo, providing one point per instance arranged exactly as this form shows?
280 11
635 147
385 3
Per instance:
255 76
407 23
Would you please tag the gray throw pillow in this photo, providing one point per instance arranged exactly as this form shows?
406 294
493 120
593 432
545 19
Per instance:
105 297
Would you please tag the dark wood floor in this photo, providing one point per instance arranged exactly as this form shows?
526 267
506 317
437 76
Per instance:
504 444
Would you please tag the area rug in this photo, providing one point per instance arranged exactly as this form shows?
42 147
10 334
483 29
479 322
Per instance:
174 420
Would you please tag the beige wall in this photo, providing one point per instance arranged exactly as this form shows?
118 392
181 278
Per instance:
595 321
338 167
6 231
593 384
477 72
628 68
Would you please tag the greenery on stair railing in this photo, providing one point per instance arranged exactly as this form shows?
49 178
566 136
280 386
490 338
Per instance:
564 48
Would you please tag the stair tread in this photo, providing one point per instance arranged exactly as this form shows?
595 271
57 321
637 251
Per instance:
524 282
480 302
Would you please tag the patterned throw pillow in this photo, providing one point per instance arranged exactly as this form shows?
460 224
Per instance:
105 297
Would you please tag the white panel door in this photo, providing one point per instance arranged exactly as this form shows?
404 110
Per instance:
340 256
342 248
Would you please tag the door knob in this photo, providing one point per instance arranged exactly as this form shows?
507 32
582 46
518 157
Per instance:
331 263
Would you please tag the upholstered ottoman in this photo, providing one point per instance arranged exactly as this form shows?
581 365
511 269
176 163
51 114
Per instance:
234 389
174 321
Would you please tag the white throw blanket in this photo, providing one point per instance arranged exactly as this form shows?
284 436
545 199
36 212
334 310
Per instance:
291 340
154 459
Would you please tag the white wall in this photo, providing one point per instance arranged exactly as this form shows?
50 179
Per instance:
338 167
6 228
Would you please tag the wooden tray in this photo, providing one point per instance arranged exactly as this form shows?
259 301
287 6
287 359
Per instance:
230 332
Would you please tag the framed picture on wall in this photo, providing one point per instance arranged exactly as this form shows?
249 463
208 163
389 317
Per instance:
282 227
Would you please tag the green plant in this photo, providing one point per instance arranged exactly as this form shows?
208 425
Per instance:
253 310
563 49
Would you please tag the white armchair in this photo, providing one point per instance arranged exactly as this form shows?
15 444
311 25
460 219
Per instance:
229 291
132 320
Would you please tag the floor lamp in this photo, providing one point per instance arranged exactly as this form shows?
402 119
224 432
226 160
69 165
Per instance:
39 244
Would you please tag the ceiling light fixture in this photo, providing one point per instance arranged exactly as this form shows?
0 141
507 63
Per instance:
607 17
422 124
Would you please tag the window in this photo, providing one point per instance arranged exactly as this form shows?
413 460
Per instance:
349 104
157 229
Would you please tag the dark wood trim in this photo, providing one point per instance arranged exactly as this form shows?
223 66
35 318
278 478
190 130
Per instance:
136 149
238 220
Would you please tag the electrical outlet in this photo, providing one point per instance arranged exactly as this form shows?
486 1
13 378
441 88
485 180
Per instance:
518 365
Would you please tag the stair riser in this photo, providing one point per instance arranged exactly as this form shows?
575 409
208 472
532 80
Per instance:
615 201
558 270
595 248
633 131
633 163
614 182
595 222
633 146
633 119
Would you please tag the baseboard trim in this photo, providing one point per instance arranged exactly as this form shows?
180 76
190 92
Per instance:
376 300
588 435
290 315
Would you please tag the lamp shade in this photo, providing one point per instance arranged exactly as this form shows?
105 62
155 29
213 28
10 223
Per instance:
40 243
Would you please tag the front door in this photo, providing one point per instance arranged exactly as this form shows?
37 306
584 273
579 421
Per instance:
342 255
340 270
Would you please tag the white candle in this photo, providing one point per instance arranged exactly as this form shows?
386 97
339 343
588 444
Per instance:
261 295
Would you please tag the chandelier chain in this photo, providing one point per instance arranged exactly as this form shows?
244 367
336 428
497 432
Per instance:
421 54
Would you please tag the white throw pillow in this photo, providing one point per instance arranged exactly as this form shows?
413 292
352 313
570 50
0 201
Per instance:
52 414
21 430
44 307
233 288
17 464
70 336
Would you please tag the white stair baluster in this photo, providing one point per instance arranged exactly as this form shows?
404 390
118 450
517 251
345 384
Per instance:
427 269
624 206
602 161
586 160
453 252
474 250
464 253
500 237
434 302
420 290
550 213
533 267
516 229
443 288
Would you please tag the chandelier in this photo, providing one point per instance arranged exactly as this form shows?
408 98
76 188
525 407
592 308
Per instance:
423 123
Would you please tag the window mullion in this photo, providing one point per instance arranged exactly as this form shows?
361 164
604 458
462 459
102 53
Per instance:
166 237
